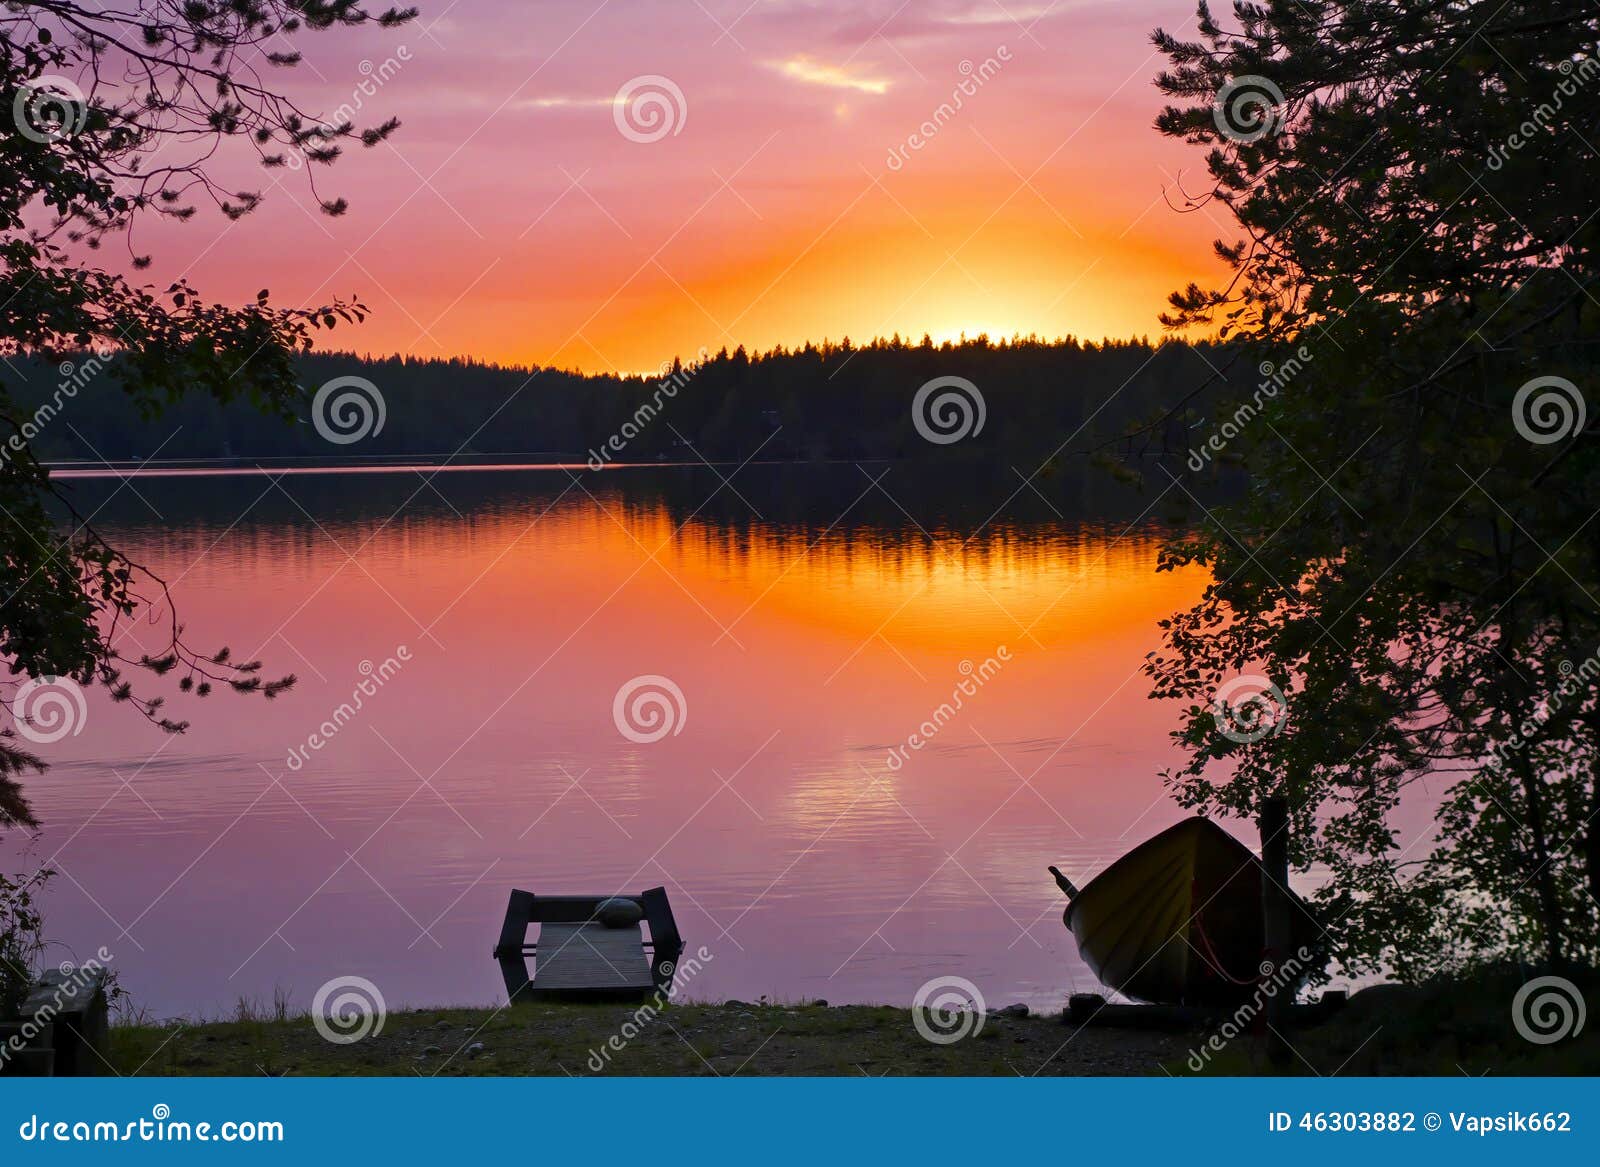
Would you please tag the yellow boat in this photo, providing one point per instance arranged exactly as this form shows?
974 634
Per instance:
1177 920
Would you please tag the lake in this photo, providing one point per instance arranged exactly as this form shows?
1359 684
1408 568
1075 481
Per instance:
821 827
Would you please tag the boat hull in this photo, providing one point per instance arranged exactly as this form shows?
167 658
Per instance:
1177 920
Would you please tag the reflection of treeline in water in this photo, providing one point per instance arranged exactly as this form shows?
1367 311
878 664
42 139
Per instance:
892 520
879 504
1026 398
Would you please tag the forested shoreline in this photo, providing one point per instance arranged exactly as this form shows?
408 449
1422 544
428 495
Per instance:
833 401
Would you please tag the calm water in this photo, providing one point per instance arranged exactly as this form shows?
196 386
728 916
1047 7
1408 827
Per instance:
812 622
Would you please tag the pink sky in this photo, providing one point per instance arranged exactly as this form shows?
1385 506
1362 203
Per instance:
511 219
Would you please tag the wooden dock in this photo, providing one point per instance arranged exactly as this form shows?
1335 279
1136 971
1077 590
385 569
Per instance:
573 957
577 957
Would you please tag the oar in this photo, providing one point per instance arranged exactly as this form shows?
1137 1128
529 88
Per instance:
1063 882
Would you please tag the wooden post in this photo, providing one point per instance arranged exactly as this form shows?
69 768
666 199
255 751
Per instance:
1276 921
75 1004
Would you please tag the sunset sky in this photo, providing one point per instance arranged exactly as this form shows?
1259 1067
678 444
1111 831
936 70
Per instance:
511 218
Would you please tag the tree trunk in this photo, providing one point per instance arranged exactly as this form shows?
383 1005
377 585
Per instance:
1592 840
1277 927
1544 876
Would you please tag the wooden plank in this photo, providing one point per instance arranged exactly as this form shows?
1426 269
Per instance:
570 909
514 970
514 929
664 936
590 957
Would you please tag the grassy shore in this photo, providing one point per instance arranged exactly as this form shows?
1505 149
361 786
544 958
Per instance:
1449 1028
748 1040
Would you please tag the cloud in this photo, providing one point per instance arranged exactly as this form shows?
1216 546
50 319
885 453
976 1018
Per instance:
942 21
803 68
1010 13
561 102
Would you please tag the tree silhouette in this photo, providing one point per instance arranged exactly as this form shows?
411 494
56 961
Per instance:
114 114
1415 568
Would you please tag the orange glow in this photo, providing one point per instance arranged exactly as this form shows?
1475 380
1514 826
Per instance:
810 188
